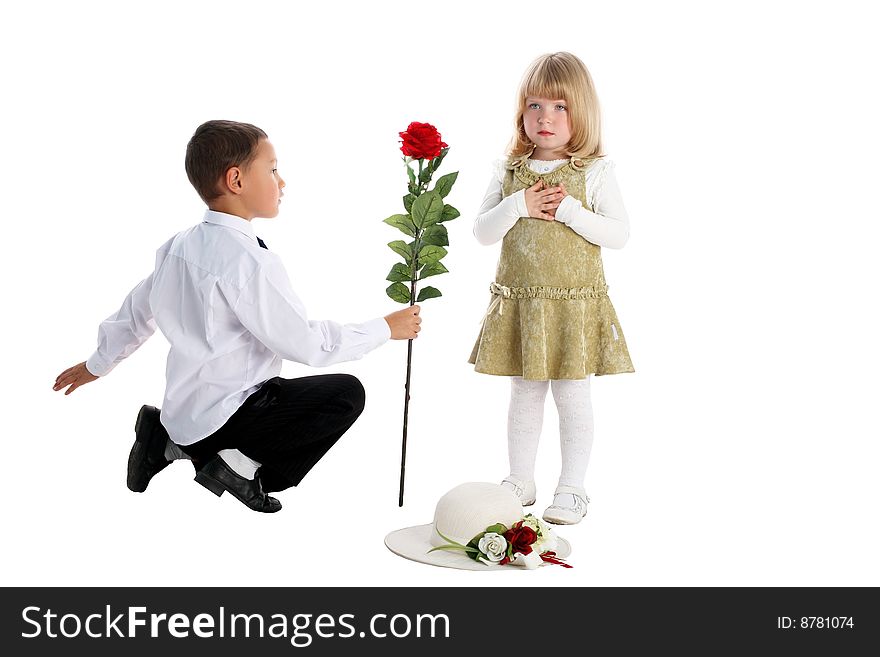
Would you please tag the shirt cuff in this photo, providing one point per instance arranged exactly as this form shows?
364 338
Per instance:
568 210
520 199
97 366
379 329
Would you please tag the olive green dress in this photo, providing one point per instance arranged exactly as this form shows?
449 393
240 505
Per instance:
550 316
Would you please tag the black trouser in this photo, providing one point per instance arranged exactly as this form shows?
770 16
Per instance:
287 426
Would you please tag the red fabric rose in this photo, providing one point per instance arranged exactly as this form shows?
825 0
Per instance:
521 538
421 141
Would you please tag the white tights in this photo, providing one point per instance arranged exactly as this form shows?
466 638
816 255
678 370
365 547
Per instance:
526 416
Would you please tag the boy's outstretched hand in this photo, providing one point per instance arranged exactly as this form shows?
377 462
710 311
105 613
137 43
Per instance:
74 377
405 323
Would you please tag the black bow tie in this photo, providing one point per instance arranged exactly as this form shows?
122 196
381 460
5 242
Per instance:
262 244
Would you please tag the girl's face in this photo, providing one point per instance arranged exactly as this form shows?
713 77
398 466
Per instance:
546 124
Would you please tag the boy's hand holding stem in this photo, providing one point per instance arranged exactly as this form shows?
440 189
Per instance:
404 323
542 201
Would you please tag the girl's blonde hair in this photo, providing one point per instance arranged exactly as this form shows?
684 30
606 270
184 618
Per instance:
557 76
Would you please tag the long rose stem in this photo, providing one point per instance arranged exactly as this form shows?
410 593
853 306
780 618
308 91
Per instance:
405 415
412 300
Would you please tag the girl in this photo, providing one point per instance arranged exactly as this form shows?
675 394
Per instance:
555 202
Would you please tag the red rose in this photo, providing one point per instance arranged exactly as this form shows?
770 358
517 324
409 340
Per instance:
421 141
521 538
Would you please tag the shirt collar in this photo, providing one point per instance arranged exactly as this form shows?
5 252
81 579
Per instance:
231 221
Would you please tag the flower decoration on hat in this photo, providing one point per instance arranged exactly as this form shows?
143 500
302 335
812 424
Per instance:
529 543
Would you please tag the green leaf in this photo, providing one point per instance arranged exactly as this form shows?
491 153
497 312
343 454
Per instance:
399 273
402 249
413 189
436 235
474 543
498 528
412 176
427 293
399 292
431 269
408 202
449 213
402 222
445 183
437 160
425 176
431 253
427 209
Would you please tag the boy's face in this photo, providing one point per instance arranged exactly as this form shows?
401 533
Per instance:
261 184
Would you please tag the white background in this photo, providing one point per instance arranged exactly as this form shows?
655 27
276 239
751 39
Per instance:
744 449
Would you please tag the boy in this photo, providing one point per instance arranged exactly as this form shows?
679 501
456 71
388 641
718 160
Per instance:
225 304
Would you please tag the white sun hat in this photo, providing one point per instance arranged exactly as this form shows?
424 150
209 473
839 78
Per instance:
464 513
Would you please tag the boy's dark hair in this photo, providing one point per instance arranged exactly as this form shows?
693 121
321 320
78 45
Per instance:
214 148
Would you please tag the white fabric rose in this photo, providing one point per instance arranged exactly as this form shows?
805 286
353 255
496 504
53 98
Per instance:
547 541
532 523
546 529
494 546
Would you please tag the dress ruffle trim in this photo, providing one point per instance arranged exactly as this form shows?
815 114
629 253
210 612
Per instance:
548 292
577 163
529 177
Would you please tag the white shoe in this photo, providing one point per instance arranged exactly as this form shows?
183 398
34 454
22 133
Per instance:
524 490
569 512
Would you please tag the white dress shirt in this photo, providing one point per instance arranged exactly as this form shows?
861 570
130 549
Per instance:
227 307
607 226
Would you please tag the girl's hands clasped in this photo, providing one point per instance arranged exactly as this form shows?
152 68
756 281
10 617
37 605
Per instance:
542 201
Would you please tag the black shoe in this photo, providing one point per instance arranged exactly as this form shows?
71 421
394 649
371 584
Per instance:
218 477
147 455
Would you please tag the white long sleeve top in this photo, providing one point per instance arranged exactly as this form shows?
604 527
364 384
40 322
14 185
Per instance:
227 307
608 226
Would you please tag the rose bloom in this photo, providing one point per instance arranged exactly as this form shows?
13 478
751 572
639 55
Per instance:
532 523
547 543
421 141
493 546
547 540
521 538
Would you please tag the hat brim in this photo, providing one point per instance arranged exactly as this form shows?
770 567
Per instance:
413 543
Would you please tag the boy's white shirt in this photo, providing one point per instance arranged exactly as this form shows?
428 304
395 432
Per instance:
608 226
227 307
